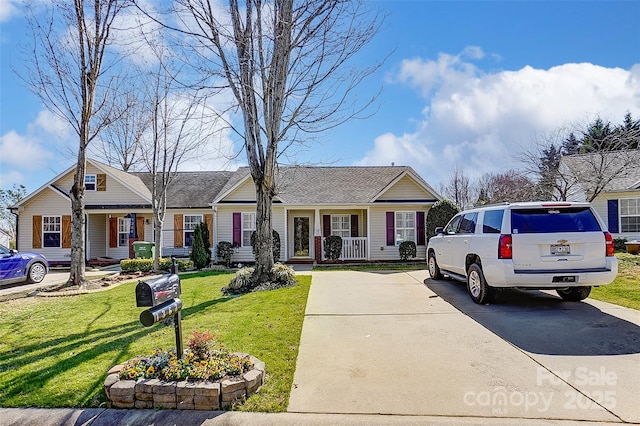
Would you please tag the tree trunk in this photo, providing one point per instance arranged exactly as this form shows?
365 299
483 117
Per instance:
264 238
157 231
77 274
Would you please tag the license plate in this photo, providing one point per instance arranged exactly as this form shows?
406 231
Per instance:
560 249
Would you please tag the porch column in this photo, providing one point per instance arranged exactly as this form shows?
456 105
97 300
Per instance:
284 239
368 233
317 236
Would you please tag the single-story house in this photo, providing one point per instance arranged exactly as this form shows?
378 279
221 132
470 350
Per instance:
372 208
619 203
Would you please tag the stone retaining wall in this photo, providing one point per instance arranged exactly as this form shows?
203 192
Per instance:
183 395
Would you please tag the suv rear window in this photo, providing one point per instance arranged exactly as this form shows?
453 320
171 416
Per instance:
551 220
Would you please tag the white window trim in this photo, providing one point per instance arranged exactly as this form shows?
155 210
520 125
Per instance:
95 182
341 230
59 231
184 226
397 228
620 215
243 229
127 225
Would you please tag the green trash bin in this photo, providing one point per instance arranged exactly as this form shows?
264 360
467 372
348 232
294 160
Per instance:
144 249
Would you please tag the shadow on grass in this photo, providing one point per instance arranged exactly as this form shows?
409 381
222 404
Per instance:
34 365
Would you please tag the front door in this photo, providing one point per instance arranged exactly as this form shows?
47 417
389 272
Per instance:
301 236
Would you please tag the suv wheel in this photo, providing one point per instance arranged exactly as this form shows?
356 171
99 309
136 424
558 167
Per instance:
434 270
574 294
477 286
37 271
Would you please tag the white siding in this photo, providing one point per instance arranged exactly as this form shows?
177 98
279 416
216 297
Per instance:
225 230
47 203
245 192
378 237
116 193
600 206
406 189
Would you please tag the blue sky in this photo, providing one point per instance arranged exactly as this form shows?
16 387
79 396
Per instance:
469 84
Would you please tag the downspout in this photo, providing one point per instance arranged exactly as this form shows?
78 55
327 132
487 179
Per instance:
13 212
214 238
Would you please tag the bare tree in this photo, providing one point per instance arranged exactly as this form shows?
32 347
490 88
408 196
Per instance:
576 168
69 74
9 198
458 189
510 186
177 128
286 64
119 144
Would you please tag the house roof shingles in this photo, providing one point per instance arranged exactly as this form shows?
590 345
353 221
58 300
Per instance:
192 189
582 167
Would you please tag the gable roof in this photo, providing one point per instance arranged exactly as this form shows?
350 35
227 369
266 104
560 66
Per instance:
191 189
581 166
297 185
129 180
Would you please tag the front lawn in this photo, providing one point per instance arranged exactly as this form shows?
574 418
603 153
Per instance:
625 290
55 352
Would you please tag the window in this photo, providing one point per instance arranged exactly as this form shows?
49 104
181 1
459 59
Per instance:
630 215
190 223
405 227
51 231
248 226
492 222
468 224
452 226
124 224
90 182
341 225
553 220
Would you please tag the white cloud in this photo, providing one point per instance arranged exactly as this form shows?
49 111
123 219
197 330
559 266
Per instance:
8 9
482 120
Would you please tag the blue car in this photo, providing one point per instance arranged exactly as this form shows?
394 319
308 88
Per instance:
17 267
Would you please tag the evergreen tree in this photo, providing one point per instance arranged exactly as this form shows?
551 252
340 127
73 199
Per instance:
198 252
571 145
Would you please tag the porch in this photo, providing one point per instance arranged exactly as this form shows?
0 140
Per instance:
353 248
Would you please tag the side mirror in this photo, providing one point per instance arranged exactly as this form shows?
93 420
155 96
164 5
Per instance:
439 230
13 252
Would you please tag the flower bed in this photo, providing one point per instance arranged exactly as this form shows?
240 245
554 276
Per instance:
185 394
206 377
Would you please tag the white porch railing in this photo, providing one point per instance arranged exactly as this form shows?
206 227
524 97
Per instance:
353 248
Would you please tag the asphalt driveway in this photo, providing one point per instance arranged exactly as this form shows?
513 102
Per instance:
400 343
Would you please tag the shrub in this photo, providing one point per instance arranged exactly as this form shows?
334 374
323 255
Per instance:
618 244
439 215
333 247
276 244
206 241
224 251
242 282
242 279
407 250
146 265
198 249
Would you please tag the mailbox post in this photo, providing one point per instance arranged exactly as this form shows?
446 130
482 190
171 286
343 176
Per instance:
161 295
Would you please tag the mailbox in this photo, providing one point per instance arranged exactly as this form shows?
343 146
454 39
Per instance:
157 291
160 312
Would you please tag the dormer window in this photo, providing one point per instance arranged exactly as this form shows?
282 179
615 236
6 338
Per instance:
90 182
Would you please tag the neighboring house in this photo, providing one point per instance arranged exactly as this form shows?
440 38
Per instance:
372 208
619 203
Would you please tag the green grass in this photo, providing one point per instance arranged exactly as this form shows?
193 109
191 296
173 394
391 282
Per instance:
413 266
55 352
625 290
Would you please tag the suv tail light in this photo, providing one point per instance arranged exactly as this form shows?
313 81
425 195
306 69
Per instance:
608 242
504 247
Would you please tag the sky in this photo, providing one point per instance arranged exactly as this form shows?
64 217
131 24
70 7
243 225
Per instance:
467 84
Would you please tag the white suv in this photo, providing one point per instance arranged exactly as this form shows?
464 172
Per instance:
537 245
